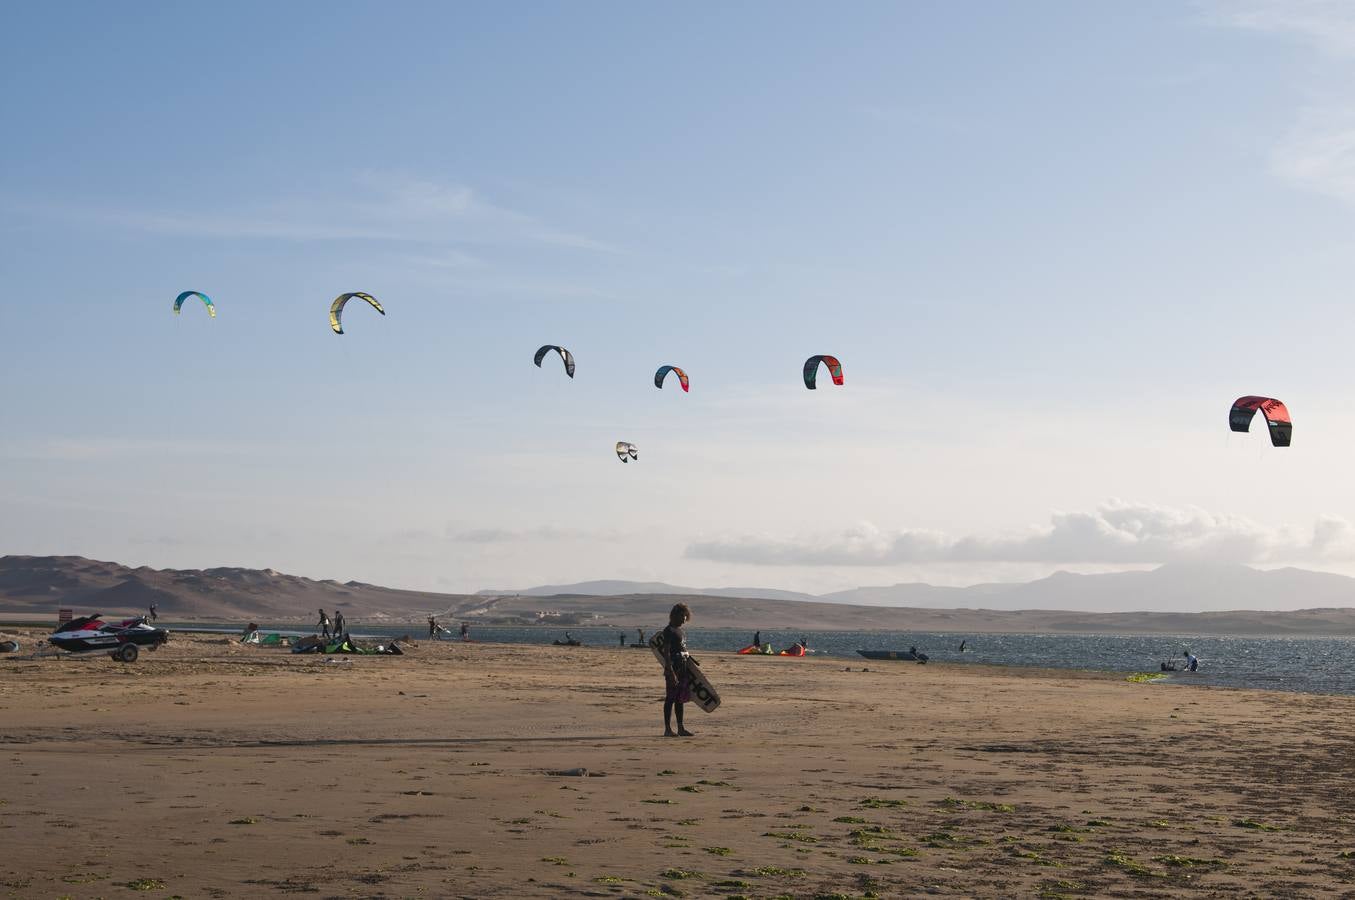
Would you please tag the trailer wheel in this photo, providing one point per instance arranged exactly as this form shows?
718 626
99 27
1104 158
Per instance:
127 653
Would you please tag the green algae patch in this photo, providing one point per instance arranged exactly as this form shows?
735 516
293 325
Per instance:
1255 825
881 803
145 884
792 836
1189 862
1038 858
956 803
776 872
1124 861
1146 677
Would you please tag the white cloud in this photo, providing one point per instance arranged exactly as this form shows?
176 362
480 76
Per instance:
372 206
1116 533
1327 24
1319 153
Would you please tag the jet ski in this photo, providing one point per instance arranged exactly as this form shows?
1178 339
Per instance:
121 640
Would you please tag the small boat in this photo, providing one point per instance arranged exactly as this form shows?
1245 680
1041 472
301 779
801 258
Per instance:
903 655
569 643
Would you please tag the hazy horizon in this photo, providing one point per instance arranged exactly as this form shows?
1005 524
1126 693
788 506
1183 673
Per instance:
1049 242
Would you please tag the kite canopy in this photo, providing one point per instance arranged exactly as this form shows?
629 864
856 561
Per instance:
1277 417
207 301
564 355
626 452
812 370
336 308
660 375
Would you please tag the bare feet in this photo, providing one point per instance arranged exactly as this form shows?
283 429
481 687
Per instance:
682 732
668 732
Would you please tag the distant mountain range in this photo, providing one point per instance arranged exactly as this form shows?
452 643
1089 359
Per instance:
1202 599
1178 587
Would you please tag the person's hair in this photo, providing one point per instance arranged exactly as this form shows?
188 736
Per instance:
678 614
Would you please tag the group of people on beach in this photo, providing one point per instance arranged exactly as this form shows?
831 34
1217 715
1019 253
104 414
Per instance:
435 629
335 628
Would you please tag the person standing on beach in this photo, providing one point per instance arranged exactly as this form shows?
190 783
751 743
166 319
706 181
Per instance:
622 635
340 627
323 624
153 615
675 670
432 627
465 631
757 638
640 632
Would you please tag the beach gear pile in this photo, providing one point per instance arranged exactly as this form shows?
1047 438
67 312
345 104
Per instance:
344 644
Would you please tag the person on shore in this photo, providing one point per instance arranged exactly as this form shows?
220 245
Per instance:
1192 664
640 635
465 631
432 627
323 624
340 627
675 670
757 638
622 636
153 613
962 643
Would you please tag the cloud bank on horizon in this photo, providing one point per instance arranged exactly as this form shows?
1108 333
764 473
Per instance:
1115 533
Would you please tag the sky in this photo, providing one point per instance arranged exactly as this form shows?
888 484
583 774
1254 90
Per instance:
1050 242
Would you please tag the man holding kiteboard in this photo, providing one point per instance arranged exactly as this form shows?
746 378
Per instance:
675 670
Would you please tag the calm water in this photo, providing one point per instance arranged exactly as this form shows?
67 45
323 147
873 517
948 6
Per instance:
1317 665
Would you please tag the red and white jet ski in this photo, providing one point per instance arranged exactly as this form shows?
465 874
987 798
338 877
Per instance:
122 640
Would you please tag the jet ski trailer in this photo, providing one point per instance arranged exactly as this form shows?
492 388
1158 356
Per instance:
122 640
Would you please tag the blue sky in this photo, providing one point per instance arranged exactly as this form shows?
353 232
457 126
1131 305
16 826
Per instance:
1050 242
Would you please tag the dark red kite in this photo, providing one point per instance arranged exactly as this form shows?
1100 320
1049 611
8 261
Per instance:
1277 417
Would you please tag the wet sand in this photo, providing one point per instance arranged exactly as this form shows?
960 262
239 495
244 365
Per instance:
211 769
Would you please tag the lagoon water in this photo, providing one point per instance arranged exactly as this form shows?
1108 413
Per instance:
1316 665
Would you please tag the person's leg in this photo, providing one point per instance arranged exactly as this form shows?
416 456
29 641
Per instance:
677 707
668 717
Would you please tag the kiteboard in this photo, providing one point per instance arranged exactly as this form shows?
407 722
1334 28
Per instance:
703 692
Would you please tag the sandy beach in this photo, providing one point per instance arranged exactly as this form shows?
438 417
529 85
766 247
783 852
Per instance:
212 769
